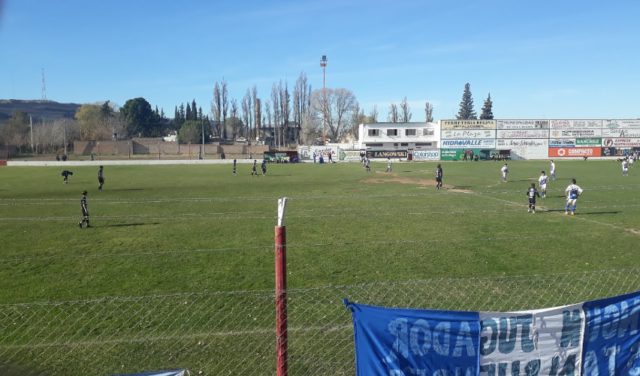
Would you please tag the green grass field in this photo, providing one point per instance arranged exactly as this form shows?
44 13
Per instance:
160 230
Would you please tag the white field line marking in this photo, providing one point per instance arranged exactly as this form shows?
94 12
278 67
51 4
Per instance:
229 333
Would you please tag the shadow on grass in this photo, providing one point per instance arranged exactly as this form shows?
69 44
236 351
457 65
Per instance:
127 189
600 212
131 224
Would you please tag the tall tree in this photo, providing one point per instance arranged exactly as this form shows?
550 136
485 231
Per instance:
16 130
487 109
466 105
216 108
405 111
428 112
393 115
189 115
247 115
301 98
257 116
140 119
357 117
225 107
338 105
373 115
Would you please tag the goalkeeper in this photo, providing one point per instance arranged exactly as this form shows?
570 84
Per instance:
573 191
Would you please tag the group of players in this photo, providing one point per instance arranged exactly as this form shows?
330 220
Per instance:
84 205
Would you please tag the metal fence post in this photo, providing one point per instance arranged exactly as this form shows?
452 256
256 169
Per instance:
281 291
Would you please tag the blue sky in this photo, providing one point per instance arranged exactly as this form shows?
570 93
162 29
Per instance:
538 59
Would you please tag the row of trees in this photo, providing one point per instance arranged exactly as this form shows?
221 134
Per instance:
466 106
303 116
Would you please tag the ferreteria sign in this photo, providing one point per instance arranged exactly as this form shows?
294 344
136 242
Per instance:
386 153
467 124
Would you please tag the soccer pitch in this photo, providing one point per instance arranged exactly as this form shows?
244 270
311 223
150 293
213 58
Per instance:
161 230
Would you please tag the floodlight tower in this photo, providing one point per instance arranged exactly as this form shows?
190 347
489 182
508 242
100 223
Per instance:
323 64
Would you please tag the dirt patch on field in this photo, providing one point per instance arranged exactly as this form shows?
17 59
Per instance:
634 231
392 178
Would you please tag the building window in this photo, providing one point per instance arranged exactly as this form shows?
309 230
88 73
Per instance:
373 132
404 144
392 132
424 144
409 132
373 145
428 132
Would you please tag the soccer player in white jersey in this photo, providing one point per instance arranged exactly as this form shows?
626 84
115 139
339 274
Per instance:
573 191
552 170
542 183
625 167
505 171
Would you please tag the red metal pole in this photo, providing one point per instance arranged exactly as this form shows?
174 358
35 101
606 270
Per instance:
281 301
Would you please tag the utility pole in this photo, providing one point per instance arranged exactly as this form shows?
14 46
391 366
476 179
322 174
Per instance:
323 64
31 127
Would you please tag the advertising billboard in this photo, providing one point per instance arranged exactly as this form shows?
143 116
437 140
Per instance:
575 124
467 124
481 143
522 124
575 152
621 123
467 133
523 133
426 155
573 133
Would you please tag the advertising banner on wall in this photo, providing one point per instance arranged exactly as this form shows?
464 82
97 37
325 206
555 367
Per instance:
573 133
523 133
595 141
621 132
350 155
524 148
522 124
467 124
562 142
621 142
575 152
308 152
616 152
386 153
481 143
621 123
458 154
467 133
577 124
426 155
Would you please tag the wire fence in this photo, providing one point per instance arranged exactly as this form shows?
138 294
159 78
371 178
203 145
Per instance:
233 333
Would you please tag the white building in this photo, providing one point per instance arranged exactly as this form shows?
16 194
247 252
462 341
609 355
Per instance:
399 136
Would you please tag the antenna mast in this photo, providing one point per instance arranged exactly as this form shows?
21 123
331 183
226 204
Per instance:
44 87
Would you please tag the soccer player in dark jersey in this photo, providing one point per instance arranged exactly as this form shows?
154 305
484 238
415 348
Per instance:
254 168
65 174
439 176
532 193
85 211
264 167
100 178
235 166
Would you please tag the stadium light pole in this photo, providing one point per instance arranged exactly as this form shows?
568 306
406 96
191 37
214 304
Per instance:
323 64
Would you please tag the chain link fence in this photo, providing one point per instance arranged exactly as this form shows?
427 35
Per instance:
233 333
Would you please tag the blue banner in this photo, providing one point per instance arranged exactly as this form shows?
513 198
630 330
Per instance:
612 336
595 338
415 342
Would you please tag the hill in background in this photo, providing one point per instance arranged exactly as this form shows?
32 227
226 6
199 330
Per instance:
38 109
